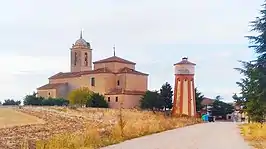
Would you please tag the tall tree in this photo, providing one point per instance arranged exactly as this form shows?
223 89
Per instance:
151 100
166 94
199 97
218 97
253 85
220 108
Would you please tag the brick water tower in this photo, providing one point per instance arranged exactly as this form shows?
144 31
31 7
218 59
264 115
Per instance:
184 90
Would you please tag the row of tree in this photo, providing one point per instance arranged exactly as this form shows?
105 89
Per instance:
80 97
40 101
252 97
155 100
162 100
8 102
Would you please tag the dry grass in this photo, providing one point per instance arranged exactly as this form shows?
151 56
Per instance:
126 125
255 133
10 117
85 127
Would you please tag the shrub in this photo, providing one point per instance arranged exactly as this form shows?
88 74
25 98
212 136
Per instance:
97 100
40 101
11 102
151 100
80 96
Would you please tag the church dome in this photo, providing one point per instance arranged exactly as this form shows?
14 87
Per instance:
81 42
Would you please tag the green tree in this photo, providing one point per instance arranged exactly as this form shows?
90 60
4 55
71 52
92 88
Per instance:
11 102
166 94
97 100
220 108
80 96
238 100
33 100
218 97
151 100
253 85
198 97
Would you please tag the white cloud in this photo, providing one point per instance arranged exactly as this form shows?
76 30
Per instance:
14 65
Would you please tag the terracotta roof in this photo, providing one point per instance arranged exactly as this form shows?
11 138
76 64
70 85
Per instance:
132 71
207 101
184 61
117 91
65 75
51 86
114 59
62 75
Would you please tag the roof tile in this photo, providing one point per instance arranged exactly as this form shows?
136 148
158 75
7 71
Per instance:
114 59
51 86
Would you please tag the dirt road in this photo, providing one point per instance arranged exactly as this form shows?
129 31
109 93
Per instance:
218 135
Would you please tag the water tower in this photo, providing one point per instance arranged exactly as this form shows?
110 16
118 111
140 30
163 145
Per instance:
184 90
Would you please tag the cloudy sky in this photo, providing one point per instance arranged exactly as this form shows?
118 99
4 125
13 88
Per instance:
35 37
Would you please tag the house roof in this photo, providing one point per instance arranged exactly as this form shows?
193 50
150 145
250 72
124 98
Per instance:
117 91
207 101
184 61
62 75
114 59
51 86
132 71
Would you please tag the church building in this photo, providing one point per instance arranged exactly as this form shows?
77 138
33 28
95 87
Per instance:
113 77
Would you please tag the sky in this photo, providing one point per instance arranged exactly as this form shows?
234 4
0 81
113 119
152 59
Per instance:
36 37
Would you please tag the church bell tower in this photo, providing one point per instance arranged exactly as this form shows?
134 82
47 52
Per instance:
184 90
81 55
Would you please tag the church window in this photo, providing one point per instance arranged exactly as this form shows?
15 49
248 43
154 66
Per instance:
49 93
92 81
108 99
75 58
118 82
116 99
86 59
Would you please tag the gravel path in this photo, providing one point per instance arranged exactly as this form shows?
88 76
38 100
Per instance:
218 135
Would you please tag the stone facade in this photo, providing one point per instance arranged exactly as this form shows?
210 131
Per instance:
113 77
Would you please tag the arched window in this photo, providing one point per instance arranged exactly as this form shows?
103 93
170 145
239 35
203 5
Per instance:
118 82
92 81
75 58
86 59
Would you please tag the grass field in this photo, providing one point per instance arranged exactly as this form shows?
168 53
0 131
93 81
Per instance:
10 117
83 127
255 134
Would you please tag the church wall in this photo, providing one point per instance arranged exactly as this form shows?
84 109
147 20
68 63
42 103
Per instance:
53 81
128 101
114 66
103 82
62 92
47 93
135 82
131 101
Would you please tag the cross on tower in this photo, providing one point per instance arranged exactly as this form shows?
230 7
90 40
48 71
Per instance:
114 49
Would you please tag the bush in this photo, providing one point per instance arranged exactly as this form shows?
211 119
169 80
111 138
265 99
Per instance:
55 102
40 101
11 102
151 100
97 100
80 96
33 100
